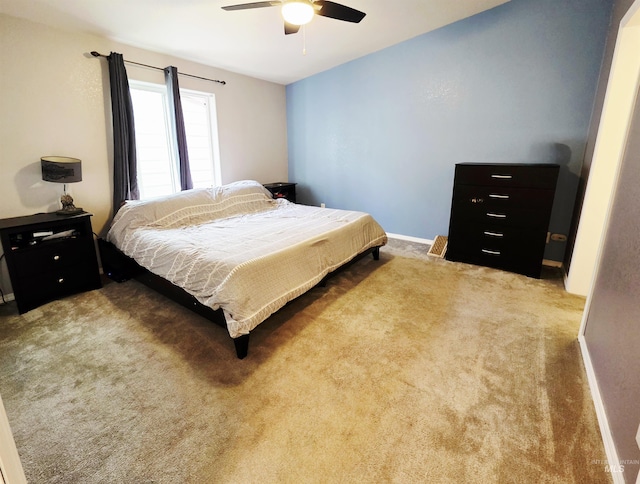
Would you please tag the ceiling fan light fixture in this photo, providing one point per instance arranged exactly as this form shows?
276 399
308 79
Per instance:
297 12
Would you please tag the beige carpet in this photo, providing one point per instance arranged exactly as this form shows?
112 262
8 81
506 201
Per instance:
407 369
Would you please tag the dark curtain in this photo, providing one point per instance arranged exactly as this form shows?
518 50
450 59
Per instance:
125 182
177 120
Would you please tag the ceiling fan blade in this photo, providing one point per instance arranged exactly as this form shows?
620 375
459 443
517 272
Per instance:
290 28
338 11
244 6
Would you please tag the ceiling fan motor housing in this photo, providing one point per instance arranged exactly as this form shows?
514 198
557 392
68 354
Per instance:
298 12
304 10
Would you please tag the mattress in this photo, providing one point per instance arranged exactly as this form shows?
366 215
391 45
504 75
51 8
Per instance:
235 248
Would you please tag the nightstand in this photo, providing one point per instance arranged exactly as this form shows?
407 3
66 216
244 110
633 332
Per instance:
282 190
49 256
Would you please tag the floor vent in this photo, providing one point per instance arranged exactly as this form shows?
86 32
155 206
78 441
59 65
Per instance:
439 247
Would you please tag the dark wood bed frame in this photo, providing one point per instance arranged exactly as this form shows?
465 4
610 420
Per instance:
120 268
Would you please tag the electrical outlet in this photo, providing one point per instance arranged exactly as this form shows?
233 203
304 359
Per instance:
322 205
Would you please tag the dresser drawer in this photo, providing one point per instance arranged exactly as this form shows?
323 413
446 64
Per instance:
505 175
518 251
54 255
489 239
465 212
499 197
40 288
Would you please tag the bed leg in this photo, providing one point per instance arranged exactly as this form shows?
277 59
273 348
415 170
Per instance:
242 345
376 253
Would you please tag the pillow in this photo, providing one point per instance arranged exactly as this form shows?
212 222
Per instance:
183 205
190 207
240 188
238 198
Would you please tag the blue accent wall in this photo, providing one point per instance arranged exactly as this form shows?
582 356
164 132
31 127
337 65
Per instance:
515 84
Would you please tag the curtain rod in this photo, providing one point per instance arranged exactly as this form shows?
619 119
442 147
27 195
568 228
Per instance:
98 54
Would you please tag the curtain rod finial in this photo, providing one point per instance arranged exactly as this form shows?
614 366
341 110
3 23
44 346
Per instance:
96 54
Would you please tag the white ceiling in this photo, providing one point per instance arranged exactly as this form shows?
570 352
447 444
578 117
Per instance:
250 42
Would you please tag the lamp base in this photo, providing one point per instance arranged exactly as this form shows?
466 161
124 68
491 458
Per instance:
69 211
68 208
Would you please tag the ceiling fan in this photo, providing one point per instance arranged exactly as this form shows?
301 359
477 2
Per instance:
300 12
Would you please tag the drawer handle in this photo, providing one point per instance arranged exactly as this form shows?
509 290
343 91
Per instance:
501 197
61 280
502 177
56 257
496 215
493 234
491 252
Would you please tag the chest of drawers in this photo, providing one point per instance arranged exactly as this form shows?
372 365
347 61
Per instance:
500 215
48 257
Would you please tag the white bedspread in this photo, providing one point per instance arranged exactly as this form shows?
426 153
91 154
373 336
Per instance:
236 248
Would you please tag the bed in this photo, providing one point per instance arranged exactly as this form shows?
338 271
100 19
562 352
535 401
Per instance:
233 253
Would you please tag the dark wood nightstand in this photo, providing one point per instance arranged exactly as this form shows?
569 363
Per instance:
282 190
49 256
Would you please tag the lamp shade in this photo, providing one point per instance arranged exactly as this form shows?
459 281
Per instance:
61 169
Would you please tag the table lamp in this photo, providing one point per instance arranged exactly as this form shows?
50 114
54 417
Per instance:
61 169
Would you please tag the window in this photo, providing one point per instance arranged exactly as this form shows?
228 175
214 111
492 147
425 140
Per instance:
158 172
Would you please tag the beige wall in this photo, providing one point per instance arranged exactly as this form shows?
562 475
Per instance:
54 100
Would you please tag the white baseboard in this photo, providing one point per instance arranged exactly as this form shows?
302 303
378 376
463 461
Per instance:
409 238
603 422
